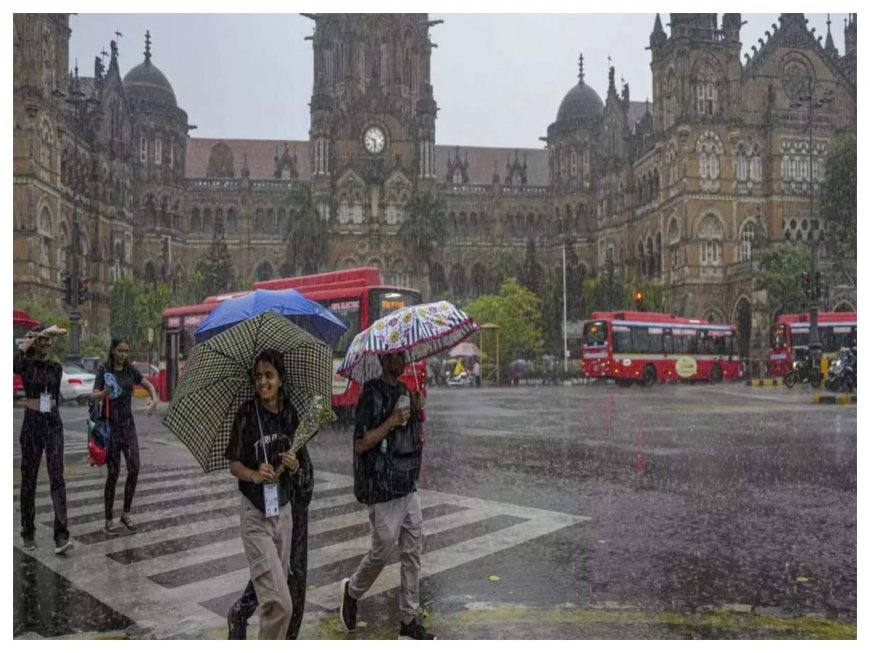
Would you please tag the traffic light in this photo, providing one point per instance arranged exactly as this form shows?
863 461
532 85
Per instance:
67 289
808 285
83 290
638 299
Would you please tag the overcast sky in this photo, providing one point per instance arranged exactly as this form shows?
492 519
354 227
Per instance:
498 79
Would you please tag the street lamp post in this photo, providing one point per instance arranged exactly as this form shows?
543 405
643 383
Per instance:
77 97
811 101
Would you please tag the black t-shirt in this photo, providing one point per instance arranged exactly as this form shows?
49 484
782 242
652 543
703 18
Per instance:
38 376
251 447
120 408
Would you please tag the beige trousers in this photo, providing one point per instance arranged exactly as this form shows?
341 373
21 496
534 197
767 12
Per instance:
267 545
399 521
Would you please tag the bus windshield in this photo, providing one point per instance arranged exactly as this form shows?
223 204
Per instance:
346 310
595 333
384 302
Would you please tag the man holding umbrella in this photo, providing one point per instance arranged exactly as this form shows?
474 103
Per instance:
388 451
388 447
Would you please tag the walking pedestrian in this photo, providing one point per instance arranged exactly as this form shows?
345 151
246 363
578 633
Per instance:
259 443
42 430
301 490
475 372
116 379
387 455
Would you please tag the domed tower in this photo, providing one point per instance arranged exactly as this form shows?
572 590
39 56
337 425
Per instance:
159 143
571 138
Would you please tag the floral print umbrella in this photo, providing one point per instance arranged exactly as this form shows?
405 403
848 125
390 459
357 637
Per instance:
418 331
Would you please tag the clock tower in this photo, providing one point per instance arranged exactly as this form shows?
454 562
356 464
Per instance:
372 136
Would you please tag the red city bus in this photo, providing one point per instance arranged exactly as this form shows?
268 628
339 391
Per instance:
358 299
631 346
355 296
791 333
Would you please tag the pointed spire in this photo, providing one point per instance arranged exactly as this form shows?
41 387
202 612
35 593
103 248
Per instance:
658 37
147 46
580 75
611 77
829 40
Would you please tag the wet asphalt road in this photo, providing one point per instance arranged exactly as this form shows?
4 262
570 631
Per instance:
698 498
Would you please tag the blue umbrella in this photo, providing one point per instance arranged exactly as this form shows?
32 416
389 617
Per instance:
307 314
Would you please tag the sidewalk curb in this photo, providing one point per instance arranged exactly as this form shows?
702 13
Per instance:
835 399
765 383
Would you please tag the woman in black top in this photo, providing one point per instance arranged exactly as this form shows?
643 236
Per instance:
42 430
259 443
123 436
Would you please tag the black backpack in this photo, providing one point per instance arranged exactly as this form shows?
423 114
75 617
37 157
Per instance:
383 475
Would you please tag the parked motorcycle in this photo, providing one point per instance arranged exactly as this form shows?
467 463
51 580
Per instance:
804 370
843 372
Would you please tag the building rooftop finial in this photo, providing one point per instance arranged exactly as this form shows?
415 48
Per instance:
581 75
148 46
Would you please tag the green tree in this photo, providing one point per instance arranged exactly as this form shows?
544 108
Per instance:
123 317
517 311
137 306
150 304
839 198
532 274
216 268
48 311
307 238
606 292
423 228
780 268
551 312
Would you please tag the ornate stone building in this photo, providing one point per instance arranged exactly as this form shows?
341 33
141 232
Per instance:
679 189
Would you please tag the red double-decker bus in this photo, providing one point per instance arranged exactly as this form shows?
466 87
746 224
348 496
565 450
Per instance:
636 347
356 296
791 334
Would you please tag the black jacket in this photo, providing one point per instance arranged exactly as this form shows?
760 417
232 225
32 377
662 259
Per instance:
390 469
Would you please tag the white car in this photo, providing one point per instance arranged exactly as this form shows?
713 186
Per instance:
76 383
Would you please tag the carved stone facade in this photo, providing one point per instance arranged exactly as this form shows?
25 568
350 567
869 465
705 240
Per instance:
680 188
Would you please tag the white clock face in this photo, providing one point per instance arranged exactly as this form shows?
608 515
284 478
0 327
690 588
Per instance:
374 140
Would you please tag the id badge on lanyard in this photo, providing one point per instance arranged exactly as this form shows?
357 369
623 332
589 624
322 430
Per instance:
270 499
270 490
45 402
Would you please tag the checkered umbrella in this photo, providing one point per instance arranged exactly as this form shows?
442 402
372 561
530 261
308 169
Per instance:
217 380
419 331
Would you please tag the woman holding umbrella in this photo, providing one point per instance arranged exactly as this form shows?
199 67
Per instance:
259 442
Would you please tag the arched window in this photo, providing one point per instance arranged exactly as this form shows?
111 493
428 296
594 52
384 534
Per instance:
709 149
742 163
573 163
670 98
710 234
755 164
707 91
264 271
747 235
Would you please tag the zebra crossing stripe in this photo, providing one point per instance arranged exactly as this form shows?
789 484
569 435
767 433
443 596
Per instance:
177 572
223 584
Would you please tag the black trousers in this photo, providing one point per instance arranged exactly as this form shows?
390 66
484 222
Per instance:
124 439
247 604
42 432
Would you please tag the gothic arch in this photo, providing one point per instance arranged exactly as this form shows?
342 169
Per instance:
714 315
478 285
437 279
741 316
264 271
149 272
457 280
844 306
